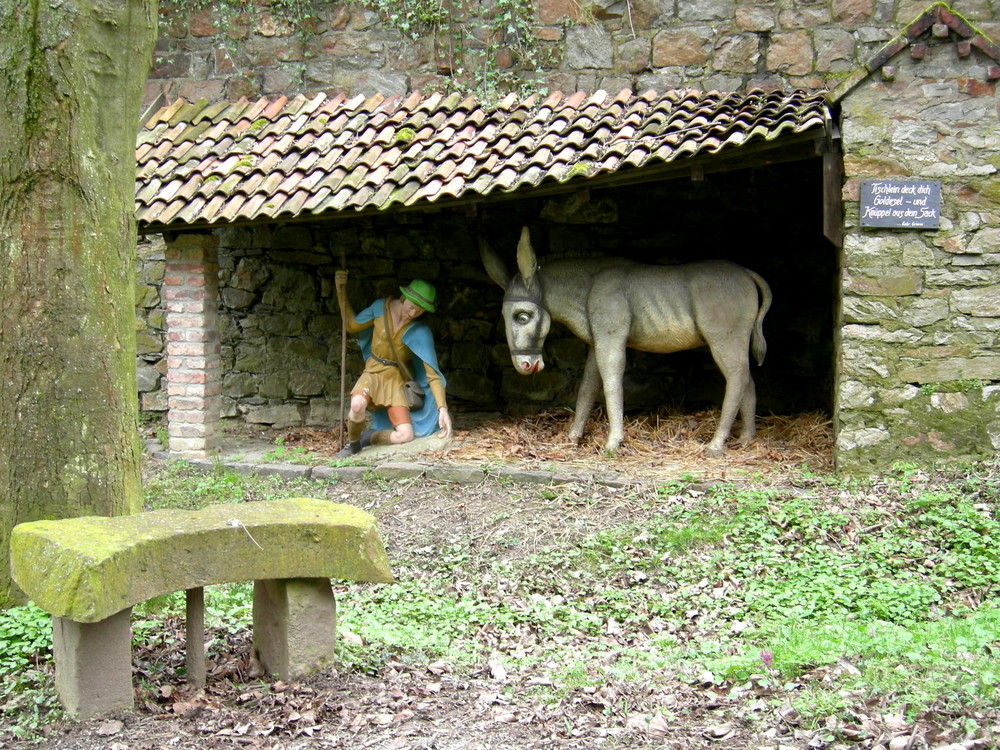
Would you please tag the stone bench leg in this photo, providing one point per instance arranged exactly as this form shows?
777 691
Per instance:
294 625
194 629
93 664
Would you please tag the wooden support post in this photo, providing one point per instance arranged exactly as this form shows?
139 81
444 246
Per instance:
833 191
194 622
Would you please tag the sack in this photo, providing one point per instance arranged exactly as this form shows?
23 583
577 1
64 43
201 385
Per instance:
413 394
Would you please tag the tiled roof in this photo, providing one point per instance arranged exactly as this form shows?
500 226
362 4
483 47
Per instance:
205 164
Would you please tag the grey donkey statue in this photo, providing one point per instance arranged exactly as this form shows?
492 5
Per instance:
611 304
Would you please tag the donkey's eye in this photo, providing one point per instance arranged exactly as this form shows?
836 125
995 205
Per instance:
522 318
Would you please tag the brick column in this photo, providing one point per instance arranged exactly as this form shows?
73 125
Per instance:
194 361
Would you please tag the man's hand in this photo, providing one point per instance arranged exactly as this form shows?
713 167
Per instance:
340 281
444 421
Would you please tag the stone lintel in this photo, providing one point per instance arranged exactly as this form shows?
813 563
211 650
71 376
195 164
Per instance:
899 284
952 369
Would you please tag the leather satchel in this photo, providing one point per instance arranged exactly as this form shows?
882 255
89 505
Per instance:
413 392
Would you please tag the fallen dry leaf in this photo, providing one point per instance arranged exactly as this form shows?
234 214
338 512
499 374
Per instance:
109 728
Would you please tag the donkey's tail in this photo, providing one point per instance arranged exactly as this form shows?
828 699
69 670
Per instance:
757 343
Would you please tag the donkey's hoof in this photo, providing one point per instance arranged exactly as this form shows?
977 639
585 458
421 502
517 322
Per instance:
715 452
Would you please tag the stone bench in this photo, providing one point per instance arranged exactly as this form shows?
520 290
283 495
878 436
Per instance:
89 572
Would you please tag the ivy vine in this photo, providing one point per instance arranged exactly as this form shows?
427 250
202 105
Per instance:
473 43
488 52
298 16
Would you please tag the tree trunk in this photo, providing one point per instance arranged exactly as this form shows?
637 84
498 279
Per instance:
70 92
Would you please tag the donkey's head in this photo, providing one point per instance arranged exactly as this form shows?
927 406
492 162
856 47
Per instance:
524 315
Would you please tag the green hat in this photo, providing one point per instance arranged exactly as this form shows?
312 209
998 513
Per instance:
420 293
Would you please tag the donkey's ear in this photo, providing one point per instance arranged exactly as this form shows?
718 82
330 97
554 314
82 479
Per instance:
495 267
527 264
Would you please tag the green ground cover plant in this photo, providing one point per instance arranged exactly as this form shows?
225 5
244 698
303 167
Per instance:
830 599
892 588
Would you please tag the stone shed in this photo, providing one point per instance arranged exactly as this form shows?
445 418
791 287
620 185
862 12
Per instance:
247 209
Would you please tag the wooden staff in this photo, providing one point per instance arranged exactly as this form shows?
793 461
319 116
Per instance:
343 359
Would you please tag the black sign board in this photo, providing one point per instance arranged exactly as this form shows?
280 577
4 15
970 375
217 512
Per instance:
901 204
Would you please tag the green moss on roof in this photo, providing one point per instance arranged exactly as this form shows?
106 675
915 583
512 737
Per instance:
405 135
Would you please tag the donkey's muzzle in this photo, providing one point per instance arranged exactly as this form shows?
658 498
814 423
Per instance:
528 364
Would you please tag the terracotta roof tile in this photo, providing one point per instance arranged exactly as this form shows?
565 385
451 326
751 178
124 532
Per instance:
272 183
371 157
383 194
229 211
407 191
454 187
192 208
204 163
171 210
214 205
360 198
318 200
236 184
251 208
148 191
333 179
378 177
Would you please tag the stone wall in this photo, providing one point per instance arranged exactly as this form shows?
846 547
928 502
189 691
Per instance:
728 45
280 327
920 361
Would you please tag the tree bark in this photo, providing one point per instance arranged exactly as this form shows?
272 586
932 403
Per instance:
70 94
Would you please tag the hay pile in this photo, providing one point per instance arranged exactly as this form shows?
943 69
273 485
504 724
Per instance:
653 442
656 444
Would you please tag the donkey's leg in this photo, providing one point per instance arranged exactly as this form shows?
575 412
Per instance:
748 412
732 359
586 396
610 355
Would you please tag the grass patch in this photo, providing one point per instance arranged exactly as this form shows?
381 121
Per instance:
179 485
891 596
835 596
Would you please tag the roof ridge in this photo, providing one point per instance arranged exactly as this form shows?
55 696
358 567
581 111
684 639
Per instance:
938 20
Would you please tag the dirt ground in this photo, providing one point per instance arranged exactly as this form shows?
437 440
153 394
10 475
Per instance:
414 705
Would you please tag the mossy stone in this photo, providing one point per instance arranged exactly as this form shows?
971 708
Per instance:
87 569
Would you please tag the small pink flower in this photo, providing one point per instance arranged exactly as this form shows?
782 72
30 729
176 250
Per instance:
768 658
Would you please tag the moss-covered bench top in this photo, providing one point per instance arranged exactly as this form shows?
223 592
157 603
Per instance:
87 569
